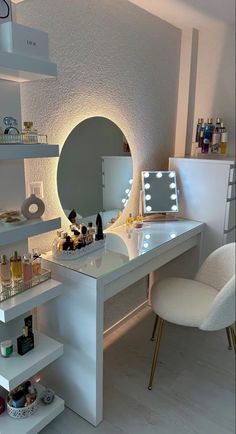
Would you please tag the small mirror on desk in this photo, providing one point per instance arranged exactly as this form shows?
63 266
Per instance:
160 195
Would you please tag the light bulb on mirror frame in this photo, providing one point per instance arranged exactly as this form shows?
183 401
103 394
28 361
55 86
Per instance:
148 197
171 174
173 197
172 185
159 175
148 208
146 175
174 208
147 186
145 245
172 236
147 237
130 181
127 190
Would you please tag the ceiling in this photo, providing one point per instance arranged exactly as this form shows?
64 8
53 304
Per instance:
190 13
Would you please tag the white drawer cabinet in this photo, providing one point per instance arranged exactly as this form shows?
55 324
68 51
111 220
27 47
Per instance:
207 193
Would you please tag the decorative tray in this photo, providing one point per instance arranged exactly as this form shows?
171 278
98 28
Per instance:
68 255
18 288
29 139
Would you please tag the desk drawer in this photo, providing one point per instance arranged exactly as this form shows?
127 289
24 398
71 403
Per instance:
230 215
231 191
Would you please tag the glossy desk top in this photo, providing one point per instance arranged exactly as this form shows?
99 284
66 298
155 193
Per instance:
125 246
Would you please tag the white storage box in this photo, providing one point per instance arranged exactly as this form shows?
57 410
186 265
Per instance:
15 38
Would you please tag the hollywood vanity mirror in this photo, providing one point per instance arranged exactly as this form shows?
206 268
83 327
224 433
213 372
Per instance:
95 170
160 194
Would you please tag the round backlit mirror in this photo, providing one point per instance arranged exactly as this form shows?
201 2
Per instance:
95 171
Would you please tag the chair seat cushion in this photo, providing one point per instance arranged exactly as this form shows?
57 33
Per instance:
182 301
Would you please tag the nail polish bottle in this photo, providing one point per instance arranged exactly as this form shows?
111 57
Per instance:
5 272
16 267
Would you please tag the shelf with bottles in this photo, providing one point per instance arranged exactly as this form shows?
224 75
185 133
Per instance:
36 422
211 139
18 368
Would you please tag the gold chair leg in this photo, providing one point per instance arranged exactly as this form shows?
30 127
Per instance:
233 338
228 332
156 352
154 328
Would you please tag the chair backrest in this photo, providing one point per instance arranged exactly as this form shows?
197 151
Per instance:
219 267
222 310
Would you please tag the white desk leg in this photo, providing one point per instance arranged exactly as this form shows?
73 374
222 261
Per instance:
76 319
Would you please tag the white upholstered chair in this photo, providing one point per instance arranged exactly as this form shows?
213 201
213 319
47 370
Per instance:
207 302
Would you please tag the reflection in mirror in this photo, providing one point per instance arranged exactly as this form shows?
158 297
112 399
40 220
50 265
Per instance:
160 192
95 171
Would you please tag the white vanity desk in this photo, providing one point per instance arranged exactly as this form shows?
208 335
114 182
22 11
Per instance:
76 317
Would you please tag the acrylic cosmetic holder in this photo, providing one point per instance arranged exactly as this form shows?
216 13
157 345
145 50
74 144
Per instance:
68 255
23 412
19 287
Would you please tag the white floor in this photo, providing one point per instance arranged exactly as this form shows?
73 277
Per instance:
193 391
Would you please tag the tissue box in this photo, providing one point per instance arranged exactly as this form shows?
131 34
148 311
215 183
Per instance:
18 39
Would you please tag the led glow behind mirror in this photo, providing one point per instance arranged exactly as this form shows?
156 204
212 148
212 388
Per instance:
160 192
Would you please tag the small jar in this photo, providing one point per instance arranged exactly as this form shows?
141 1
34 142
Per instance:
6 348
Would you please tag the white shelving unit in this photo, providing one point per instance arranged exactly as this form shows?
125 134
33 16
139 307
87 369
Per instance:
20 151
17 369
19 68
33 424
28 300
30 228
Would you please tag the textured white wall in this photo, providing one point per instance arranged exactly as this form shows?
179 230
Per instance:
114 60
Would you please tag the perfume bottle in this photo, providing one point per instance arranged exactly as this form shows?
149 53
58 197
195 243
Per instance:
198 129
5 272
36 263
16 267
25 343
27 270
224 143
207 138
10 124
99 233
30 134
129 220
68 244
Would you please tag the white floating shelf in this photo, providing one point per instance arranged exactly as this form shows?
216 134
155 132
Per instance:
20 151
20 68
16 369
33 424
30 228
33 297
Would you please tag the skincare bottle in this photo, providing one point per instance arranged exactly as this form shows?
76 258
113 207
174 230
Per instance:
198 129
215 141
207 137
25 343
5 272
27 270
16 267
218 124
10 123
91 228
36 262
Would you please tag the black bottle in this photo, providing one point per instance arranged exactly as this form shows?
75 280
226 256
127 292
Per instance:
72 216
25 343
68 244
99 233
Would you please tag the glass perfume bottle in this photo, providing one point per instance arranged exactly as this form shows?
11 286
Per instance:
27 270
30 134
5 272
36 263
10 124
224 143
16 267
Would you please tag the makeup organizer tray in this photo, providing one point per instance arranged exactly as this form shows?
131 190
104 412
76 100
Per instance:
23 139
18 288
68 255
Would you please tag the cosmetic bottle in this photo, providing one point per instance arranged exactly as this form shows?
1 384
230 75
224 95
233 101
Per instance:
10 123
25 343
198 129
27 270
36 263
129 220
224 143
72 216
30 134
99 232
218 124
75 238
5 272
207 137
215 141
6 348
16 267
68 244
62 240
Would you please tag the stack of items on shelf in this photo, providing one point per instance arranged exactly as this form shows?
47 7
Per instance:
81 239
210 138
19 274
29 135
